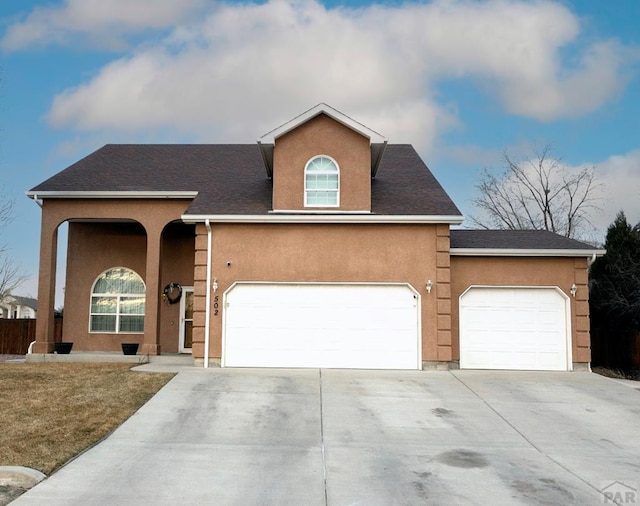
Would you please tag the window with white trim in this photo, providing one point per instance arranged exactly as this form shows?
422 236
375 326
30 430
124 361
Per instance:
118 302
321 182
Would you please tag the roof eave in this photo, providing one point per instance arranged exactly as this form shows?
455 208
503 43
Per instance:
322 108
533 252
39 195
377 150
266 151
322 218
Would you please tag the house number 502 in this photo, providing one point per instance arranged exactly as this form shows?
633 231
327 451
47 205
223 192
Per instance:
216 306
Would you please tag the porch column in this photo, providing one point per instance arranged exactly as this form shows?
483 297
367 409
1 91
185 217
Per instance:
45 333
151 341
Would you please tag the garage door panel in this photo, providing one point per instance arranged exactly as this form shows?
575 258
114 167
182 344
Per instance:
321 325
547 361
513 328
325 358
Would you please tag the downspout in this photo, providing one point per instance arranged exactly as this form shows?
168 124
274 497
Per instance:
207 314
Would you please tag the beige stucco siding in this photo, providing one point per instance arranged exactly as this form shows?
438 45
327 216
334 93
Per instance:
506 271
96 247
320 253
92 249
106 233
147 237
322 136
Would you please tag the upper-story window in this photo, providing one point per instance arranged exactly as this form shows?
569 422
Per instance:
321 182
118 302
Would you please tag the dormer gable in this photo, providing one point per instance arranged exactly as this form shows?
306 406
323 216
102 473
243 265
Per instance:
322 161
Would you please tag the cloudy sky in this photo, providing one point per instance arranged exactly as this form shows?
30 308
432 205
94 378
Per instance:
461 80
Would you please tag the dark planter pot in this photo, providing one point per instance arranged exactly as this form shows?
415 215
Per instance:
130 348
63 348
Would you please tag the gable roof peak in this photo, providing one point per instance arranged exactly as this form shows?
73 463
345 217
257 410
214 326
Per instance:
377 142
322 108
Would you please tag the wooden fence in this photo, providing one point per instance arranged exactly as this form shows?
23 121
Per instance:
16 335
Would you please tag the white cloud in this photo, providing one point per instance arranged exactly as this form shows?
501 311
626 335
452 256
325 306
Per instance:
100 23
620 175
581 90
242 68
246 68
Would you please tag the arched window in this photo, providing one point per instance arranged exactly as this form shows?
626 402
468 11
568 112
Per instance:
117 302
321 182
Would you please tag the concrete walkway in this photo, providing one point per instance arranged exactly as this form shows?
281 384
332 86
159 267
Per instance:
336 437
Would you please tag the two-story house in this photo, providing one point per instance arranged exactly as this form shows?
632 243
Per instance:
321 246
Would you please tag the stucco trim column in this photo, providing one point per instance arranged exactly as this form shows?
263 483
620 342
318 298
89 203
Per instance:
199 294
581 322
443 294
45 330
151 340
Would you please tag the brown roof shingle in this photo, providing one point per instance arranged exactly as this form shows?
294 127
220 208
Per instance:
405 185
231 178
514 239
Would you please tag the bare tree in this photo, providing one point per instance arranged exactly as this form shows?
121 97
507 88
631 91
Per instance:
540 193
10 274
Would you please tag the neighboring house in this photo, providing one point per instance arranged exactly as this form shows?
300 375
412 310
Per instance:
321 246
14 306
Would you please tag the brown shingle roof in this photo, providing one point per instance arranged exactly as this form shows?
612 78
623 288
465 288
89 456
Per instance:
405 185
514 239
230 178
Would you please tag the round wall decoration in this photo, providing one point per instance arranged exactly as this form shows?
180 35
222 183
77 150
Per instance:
172 293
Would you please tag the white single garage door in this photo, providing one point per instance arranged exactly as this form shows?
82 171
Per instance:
514 328
360 326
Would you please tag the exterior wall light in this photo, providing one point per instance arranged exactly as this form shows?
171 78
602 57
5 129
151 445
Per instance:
214 285
573 290
429 286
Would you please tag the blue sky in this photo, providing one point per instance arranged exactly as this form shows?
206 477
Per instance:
460 80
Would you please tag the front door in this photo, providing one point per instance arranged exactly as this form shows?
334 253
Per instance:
186 319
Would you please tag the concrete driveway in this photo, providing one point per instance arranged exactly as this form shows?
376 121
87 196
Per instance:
338 437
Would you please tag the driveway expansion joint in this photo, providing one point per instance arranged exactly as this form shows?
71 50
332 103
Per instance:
322 449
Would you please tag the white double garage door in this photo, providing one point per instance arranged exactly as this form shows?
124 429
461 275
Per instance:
378 326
